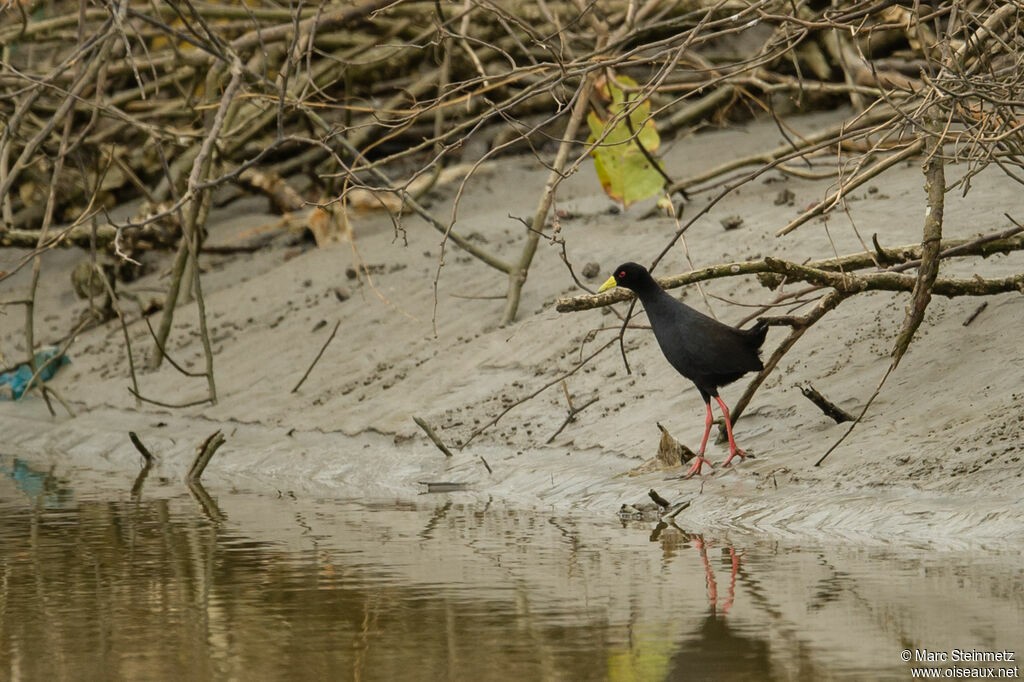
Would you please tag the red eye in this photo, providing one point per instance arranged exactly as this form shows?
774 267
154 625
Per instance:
622 274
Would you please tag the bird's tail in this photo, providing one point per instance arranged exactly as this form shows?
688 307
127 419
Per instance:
756 334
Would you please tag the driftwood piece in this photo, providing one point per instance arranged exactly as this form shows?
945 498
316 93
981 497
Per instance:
142 238
658 499
829 408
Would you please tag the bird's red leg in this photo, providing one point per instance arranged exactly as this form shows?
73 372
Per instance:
710 576
733 449
695 469
732 580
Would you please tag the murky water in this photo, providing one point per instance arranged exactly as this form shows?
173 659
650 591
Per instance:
162 583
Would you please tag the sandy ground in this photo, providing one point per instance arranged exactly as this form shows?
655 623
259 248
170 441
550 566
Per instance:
936 460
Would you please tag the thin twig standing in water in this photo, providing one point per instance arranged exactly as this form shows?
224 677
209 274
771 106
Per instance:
147 464
204 453
318 355
140 479
205 502
143 450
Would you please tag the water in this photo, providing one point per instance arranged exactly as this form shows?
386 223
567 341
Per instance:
168 584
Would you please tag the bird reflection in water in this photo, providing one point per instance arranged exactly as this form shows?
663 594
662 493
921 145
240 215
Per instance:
714 651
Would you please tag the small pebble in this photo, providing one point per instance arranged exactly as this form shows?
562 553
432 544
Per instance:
732 222
785 197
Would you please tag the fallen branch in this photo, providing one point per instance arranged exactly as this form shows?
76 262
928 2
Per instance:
974 315
828 408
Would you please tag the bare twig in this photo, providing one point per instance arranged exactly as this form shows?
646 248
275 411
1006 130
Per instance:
318 356
570 418
143 450
204 453
434 438
517 276
977 311
537 392
926 281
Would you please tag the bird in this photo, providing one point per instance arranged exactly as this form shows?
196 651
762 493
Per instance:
702 349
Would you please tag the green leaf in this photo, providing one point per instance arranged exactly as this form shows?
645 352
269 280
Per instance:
626 174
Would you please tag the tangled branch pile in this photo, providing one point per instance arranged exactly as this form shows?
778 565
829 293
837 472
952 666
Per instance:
319 105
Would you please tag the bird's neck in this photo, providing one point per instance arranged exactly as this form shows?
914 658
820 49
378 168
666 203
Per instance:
649 292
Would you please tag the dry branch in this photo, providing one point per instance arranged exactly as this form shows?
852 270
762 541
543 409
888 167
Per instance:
432 435
204 453
772 272
143 450
354 96
935 189
828 408
330 337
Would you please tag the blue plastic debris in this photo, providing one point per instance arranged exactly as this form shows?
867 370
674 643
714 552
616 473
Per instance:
19 377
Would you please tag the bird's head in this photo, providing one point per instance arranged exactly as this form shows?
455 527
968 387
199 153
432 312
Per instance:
629 275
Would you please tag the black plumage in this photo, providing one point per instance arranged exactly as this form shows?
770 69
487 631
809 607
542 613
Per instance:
702 349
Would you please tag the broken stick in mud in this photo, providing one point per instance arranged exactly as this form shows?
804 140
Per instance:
204 453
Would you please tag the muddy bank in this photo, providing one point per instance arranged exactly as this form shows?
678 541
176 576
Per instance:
937 457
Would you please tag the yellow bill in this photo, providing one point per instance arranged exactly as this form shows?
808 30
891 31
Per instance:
609 283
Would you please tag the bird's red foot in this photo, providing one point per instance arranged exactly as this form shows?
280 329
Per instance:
695 469
737 451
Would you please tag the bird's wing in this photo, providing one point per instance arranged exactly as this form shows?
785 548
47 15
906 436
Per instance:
702 348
